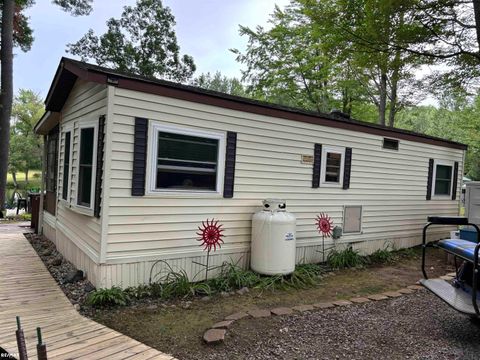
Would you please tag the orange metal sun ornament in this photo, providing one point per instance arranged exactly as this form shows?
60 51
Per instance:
324 224
210 234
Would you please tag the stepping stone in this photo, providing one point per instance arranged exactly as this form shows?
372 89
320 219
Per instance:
259 313
392 294
222 324
236 316
406 291
302 308
213 336
452 274
281 311
377 297
446 277
359 300
323 305
415 287
342 303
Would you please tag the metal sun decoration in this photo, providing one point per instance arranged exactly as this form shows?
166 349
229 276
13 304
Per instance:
210 234
325 227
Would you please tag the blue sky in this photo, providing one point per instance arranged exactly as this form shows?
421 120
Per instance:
205 29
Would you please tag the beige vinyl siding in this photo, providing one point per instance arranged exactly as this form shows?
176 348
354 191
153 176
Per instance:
390 185
87 101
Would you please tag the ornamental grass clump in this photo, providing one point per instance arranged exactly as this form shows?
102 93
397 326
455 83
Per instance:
348 258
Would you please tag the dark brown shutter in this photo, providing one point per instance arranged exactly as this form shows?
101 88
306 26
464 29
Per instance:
99 174
430 179
230 155
347 168
455 180
317 165
139 156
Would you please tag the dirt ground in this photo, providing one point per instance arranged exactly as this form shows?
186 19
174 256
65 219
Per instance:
177 327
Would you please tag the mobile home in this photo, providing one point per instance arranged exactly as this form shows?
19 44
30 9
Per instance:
133 165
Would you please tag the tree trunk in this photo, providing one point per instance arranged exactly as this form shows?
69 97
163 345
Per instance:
6 93
26 176
394 90
476 12
382 104
14 177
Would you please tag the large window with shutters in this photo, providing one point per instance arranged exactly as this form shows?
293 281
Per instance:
86 169
332 166
442 178
186 160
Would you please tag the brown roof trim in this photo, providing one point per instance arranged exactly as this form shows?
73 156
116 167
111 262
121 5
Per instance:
102 75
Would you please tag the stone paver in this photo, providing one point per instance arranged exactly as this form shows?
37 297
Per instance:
446 277
359 300
323 305
212 336
342 303
392 294
406 291
225 324
415 287
259 313
281 311
377 297
302 308
237 316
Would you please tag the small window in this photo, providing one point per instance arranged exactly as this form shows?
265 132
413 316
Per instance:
390 144
332 166
443 179
66 165
86 167
187 161
352 219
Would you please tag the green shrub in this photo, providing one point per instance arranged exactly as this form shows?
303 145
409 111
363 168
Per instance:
108 297
233 277
347 258
382 256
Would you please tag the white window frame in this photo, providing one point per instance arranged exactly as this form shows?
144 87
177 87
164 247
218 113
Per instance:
67 129
323 170
154 128
434 178
83 125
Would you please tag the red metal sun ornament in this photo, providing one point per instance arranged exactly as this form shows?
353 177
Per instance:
324 224
210 234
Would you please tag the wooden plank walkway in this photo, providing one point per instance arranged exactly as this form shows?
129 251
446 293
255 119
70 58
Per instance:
27 289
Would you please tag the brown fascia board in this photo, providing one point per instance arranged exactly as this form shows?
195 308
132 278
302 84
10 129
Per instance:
102 75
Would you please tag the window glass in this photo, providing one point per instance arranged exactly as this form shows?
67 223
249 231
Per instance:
443 180
186 162
66 165
332 170
52 161
85 167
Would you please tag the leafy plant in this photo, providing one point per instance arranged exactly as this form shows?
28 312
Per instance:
233 277
108 297
347 258
382 256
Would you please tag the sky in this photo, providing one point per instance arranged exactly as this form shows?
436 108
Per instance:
205 29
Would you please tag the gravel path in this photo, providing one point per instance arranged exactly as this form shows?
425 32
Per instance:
417 326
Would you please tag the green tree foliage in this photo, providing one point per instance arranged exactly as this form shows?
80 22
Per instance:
25 146
455 119
142 41
220 83
314 56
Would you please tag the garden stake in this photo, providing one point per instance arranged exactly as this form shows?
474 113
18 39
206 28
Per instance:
22 347
210 235
41 348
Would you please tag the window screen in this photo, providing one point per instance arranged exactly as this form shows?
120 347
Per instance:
333 167
352 219
66 165
186 162
85 167
443 180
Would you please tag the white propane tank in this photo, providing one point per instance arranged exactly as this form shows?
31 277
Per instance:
273 239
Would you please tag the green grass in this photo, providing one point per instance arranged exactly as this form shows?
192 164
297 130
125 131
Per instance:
21 177
348 258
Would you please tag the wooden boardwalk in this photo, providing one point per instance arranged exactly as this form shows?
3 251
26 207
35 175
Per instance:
27 289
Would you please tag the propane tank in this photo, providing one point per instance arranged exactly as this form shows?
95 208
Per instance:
273 239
